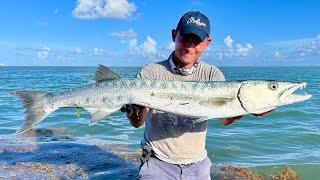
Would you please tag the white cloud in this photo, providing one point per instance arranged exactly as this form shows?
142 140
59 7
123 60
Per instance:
219 55
149 47
296 48
228 41
97 52
170 46
124 35
94 9
308 48
238 51
133 48
243 51
43 53
279 55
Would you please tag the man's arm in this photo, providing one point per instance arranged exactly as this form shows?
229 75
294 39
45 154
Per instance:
136 114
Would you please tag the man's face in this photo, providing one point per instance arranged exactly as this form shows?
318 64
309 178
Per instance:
188 48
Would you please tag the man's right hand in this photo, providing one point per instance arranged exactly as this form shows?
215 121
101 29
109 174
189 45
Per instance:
135 113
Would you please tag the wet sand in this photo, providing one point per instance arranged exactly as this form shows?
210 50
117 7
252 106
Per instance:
49 154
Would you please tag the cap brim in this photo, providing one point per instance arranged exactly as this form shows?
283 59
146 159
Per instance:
192 30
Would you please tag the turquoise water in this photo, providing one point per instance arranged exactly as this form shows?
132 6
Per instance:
289 135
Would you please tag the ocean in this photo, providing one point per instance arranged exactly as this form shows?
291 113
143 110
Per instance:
64 145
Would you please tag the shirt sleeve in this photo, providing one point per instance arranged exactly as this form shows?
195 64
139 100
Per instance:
147 72
216 74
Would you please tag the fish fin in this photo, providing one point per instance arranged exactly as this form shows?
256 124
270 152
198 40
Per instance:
104 73
213 102
96 114
35 112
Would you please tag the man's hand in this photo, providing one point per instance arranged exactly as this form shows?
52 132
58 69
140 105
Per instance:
228 121
135 113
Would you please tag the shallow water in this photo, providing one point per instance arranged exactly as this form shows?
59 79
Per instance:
289 135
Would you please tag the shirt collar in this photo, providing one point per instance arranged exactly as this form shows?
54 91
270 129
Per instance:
182 71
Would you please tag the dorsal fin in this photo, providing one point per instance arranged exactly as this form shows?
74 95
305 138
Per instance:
104 73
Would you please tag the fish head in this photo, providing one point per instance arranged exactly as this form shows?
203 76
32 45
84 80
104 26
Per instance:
258 97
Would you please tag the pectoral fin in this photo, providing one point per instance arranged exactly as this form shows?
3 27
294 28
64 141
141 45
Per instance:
214 102
96 114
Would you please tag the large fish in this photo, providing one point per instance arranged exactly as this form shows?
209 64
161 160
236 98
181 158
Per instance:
201 100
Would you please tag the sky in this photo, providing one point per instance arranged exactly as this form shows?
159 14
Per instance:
138 32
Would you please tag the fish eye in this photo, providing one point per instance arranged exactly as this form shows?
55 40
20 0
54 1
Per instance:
273 86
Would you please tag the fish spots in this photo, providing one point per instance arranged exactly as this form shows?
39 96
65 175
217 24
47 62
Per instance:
152 94
73 104
87 100
184 103
41 111
104 99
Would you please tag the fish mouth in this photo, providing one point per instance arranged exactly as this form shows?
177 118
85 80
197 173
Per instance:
288 97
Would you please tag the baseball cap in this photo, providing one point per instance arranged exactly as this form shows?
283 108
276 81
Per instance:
194 22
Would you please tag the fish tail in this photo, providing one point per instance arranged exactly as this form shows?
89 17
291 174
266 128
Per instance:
35 111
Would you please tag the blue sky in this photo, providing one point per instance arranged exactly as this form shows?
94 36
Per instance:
135 33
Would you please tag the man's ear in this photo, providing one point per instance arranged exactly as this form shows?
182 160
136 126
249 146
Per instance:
174 33
208 40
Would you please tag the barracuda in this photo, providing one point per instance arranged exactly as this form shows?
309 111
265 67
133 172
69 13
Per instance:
201 100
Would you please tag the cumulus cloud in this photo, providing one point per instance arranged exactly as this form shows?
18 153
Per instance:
230 51
133 48
243 51
124 35
279 55
295 49
219 55
43 53
94 9
308 48
228 41
97 52
149 47
170 46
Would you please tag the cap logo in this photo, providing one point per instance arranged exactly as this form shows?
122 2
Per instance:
192 20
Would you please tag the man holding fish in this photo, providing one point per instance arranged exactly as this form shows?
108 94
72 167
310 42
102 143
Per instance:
173 145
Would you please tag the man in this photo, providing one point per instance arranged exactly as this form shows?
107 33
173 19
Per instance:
174 146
